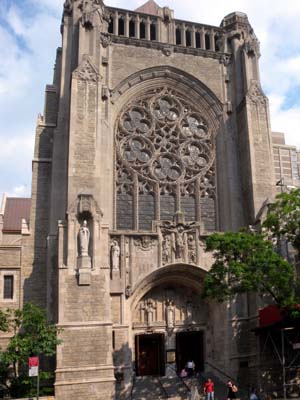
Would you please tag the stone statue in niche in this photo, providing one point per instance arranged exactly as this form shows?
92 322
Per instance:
150 309
115 256
84 239
191 248
166 249
128 291
189 311
179 241
177 232
170 314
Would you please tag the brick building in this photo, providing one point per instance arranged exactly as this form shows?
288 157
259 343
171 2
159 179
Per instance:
155 133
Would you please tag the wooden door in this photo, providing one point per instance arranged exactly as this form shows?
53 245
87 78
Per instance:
149 354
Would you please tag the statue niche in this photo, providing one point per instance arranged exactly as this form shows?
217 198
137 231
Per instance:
83 245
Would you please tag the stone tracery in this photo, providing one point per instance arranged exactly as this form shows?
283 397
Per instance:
164 142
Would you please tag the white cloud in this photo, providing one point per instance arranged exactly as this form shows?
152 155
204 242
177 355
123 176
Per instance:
285 120
19 191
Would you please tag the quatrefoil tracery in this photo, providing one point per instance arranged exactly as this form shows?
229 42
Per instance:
163 138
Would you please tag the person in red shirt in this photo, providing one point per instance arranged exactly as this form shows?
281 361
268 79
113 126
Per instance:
209 389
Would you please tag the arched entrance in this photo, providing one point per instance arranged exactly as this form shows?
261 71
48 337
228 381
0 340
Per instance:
169 321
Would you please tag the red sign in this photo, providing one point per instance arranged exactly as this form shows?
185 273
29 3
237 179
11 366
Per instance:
33 362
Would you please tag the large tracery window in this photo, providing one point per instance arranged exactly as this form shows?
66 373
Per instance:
165 162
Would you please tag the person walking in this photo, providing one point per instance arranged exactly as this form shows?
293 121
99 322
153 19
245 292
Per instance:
190 366
209 389
232 390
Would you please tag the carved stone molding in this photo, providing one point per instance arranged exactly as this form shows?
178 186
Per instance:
68 7
145 243
252 47
178 242
175 75
225 59
256 95
85 203
91 10
167 50
86 71
105 39
105 93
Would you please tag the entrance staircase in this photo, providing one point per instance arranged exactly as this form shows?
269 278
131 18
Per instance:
172 387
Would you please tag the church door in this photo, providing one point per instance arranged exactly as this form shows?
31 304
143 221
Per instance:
149 350
189 347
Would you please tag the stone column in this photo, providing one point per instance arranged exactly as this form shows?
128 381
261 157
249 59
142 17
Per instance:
193 37
148 28
137 27
202 35
116 23
126 27
212 40
183 37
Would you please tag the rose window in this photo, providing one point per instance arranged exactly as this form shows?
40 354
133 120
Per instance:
165 150
163 138
167 168
137 120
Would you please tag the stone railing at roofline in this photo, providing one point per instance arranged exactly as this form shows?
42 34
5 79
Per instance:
163 29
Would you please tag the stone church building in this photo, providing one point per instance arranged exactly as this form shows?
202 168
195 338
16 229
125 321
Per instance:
155 133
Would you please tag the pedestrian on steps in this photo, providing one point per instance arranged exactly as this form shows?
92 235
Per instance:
232 390
209 389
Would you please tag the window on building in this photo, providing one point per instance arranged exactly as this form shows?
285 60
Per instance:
131 28
198 40
207 41
165 162
121 27
178 36
188 38
8 289
142 30
153 31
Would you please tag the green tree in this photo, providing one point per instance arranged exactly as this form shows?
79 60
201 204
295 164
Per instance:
246 262
250 262
32 336
283 218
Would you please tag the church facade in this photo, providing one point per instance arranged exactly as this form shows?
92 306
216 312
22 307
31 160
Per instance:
155 134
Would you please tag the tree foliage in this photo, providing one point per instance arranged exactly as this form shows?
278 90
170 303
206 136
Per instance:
283 218
246 262
250 262
31 335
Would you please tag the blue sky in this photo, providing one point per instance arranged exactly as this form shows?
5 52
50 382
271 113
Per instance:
30 34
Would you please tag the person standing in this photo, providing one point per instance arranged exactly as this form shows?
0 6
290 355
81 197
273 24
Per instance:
232 390
190 366
209 389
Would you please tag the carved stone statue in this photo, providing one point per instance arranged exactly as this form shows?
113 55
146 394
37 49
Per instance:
179 241
189 311
150 312
170 314
87 14
84 239
166 249
115 255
